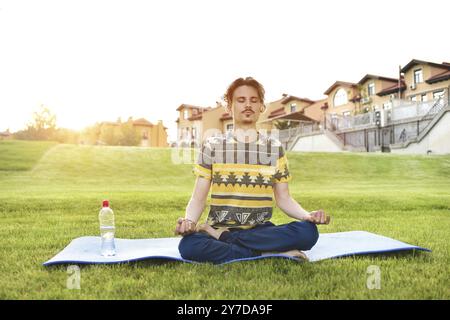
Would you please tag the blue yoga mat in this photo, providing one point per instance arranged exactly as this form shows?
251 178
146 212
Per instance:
86 250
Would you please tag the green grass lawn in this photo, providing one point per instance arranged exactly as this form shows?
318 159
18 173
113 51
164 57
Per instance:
51 194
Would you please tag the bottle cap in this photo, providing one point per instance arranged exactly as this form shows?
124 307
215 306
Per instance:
105 203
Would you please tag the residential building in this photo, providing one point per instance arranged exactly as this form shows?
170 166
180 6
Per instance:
289 108
197 123
152 135
6 135
317 110
343 99
426 81
347 105
377 92
190 122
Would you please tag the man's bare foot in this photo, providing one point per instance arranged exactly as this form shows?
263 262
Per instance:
292 253
215 233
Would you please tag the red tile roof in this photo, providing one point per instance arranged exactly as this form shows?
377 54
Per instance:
413 62
298 115
142 122
197 116
288 98
372 76
277 112
439 77
339 83
226 116
392 89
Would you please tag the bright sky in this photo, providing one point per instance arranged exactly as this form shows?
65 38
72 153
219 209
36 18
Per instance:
94 61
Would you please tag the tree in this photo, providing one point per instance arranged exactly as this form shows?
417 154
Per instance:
90 135
64 135
119 133
107 135
128 134
43 126
283 125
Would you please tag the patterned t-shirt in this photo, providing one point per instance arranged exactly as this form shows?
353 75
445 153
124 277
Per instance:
242 177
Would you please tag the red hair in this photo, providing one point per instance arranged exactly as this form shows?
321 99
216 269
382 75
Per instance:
249 81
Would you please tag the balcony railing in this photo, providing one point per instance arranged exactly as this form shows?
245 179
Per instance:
401 110
288 136
408 109
338 123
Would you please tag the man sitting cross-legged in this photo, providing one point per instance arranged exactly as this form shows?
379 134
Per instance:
244 170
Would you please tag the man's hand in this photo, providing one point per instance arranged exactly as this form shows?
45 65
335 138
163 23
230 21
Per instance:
318 217
185 227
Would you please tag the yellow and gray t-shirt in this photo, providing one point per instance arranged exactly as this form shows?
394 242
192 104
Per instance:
242 177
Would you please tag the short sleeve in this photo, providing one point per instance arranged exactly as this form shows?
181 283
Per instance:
282 173
203 166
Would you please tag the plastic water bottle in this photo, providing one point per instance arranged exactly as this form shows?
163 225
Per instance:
107 229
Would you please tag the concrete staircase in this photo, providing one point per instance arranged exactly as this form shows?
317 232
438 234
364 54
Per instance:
435 116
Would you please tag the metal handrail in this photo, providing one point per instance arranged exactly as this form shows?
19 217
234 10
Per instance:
435 109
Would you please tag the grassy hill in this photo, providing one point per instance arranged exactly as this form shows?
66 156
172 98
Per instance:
51 193
21 155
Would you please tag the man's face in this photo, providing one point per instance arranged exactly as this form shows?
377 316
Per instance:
246 105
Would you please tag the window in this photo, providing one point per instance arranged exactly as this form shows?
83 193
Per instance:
346 113
413 98
293 107
230 127
334 119
186 114
194 133
424 97
387 105
340 98
438 94
371 89
418 76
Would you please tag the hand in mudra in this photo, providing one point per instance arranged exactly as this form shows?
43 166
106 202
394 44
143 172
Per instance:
185 227
318 217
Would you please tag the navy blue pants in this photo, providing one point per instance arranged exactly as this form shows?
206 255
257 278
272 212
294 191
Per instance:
236 244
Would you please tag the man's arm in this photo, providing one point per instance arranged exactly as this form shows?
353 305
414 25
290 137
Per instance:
194 208
293 209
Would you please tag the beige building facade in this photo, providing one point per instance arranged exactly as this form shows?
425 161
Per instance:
289 108
151 135
418 81
370 87
342 99
6 135
426 81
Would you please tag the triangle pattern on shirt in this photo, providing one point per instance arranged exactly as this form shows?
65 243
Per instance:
242 217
